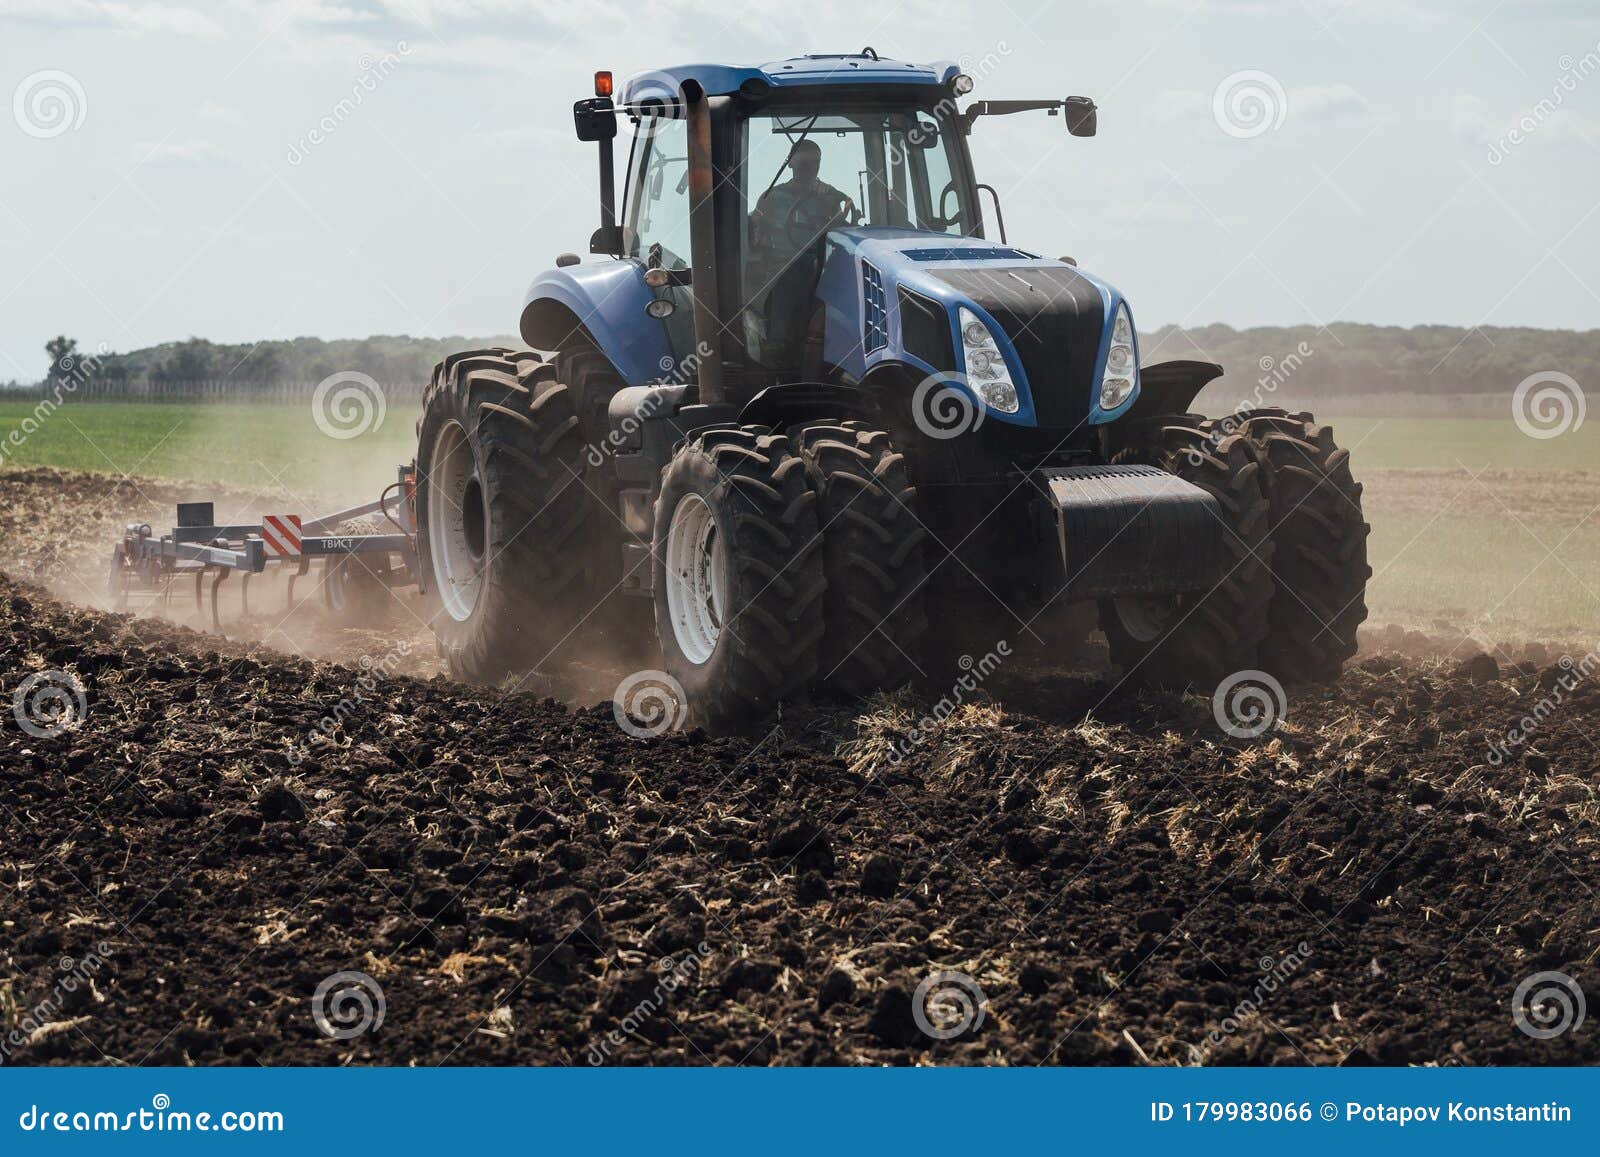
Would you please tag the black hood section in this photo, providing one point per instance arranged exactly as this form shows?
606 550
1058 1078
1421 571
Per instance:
1055 318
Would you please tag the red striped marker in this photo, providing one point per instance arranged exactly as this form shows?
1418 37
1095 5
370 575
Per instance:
280 534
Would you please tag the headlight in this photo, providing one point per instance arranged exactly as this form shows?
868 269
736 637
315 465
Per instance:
1121 374
1114 392
986 365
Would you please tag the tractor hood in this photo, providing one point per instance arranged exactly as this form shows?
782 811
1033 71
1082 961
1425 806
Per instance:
893 296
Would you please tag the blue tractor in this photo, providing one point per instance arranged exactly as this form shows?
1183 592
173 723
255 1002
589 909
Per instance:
819 424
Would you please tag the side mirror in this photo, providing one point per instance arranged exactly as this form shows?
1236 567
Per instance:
595 119
1080 116
609 239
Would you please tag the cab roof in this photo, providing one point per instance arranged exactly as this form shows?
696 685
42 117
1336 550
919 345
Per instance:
797 71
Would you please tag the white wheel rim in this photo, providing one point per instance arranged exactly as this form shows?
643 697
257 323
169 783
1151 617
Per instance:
1144 618
458 520
697 579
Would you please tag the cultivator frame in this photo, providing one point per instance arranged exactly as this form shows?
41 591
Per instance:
198 545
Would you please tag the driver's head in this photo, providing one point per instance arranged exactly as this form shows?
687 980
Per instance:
805 159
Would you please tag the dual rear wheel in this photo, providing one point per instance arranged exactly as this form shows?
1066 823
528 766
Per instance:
792 560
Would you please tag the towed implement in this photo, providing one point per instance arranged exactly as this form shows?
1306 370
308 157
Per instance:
358 566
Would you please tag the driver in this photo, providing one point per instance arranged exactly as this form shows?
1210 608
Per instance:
788 217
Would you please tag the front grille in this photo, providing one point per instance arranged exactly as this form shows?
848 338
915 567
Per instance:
876 334
925 330
1054 316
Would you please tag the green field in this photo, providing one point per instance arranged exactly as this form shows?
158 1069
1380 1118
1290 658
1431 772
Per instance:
243 445
1474 524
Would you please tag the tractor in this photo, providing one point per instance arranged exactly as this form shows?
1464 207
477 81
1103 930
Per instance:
808 420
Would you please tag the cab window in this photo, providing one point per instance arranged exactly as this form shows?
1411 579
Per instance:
658 216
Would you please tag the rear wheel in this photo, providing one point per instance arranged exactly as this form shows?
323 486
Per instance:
872 556
590 378
1320 546
355 589
739 578
503 517
1200 638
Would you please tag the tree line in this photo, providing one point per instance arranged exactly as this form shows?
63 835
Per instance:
1344 358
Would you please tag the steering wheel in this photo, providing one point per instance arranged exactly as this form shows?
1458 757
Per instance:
851 216
945 219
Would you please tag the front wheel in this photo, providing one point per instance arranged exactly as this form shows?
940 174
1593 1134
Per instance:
739 579
1320 539
1198 639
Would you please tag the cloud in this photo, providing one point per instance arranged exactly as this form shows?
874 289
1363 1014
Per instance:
1311 102
1471 120
276 13
221 113
115 14
1326 101
190 154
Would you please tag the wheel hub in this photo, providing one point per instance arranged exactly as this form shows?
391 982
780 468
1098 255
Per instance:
458 518
1145 617
697 579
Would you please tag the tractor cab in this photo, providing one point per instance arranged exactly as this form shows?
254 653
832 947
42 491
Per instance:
747 194
797 171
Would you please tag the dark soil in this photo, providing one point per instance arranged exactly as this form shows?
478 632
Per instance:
528 884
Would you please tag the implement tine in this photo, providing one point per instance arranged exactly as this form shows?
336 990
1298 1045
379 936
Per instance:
244 597
305 565
216 619
199 586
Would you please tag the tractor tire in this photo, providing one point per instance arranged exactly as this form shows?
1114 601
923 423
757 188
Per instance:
872 556
625 628
1319 558
1196 640
355 591
739 578
504 524
591 379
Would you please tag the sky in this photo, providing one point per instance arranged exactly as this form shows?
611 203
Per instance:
163 174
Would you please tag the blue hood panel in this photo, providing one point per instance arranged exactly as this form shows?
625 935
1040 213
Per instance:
894 258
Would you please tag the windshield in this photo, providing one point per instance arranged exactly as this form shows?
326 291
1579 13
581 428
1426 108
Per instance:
884 168
805 171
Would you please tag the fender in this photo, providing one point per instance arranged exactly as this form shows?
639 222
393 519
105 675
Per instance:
802 401
604 301
1169 388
